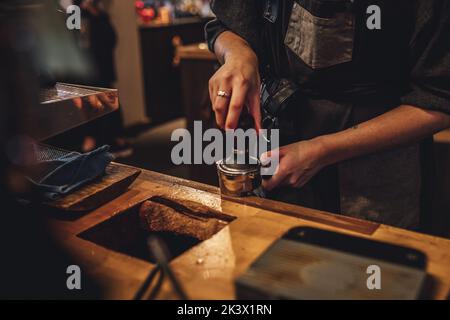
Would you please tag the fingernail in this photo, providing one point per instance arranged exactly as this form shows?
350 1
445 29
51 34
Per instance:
265 162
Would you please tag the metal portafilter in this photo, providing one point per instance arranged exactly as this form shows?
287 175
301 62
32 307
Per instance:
236 178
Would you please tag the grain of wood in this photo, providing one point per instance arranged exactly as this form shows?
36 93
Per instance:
208 270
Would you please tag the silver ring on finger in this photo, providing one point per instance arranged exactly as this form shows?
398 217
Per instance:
223 94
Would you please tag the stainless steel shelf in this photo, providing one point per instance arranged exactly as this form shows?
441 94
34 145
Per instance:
67 106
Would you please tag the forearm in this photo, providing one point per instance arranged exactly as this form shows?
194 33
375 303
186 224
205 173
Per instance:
400 126
230 45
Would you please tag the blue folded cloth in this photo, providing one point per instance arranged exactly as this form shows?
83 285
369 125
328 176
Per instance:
58 176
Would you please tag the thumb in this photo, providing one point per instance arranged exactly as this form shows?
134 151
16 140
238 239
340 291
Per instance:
275 181
266 157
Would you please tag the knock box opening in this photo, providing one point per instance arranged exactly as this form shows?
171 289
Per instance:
180 225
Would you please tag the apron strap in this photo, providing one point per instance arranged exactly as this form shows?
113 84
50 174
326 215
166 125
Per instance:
271 10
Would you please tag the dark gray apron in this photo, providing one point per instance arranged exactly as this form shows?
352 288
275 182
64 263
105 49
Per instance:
384 187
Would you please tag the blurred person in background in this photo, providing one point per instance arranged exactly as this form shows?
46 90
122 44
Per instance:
98 40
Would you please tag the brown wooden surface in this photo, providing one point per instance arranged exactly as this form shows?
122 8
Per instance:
197 51
207 271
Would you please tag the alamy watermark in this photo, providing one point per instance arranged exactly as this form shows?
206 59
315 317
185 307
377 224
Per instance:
73 21
374 19
374 279
73 281
191 148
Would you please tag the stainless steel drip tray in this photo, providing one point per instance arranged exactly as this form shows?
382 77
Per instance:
66 106
62 91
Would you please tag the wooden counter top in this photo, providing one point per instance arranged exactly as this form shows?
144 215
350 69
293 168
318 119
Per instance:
207 271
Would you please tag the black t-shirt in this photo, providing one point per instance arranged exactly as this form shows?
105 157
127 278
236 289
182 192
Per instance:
327 47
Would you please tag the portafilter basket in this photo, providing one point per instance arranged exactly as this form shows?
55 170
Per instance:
239 180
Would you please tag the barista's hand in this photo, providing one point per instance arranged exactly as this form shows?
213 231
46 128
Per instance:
298 163
239 77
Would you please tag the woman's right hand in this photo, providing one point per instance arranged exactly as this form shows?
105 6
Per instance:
239 78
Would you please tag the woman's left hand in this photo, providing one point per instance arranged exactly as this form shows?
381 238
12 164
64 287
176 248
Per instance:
298 163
